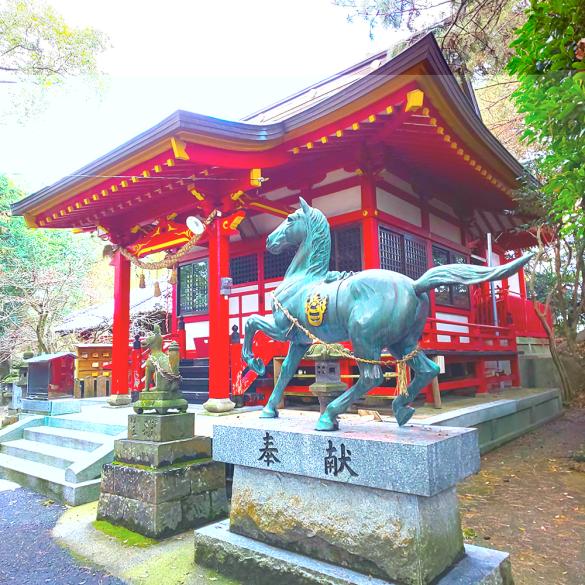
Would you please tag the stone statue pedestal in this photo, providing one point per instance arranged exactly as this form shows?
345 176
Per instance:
162 480
373 503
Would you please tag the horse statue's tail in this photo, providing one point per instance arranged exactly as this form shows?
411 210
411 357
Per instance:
466 274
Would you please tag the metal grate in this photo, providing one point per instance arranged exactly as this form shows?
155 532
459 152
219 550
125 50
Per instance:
346 249
192 288
244 269
275 265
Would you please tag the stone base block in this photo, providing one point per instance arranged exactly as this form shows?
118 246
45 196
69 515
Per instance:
153 454
161 427
394 536
219 405
118 399
250 561
161 402
162 502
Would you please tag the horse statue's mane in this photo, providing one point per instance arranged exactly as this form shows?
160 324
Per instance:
314 253
312 257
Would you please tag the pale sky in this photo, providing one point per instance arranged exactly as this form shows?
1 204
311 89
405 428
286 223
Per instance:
224 58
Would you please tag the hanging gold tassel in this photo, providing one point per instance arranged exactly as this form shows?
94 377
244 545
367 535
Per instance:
173 276
157 292
141 281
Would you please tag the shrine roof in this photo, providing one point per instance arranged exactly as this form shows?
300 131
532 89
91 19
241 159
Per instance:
321 90
186 143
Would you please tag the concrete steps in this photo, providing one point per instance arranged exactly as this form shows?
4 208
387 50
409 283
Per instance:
71 438
52 455
60 457
48 480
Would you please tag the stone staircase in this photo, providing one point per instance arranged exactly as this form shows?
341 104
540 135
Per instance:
195 380
58 456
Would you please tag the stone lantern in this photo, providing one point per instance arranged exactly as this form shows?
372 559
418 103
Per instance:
328 385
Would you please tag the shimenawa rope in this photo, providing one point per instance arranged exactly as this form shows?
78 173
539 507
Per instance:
400 374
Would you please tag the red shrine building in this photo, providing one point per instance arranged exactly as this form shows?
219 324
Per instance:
392 150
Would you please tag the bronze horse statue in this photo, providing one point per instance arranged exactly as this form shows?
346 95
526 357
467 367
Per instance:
374 309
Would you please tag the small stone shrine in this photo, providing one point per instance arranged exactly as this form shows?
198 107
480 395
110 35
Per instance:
371 504
162 480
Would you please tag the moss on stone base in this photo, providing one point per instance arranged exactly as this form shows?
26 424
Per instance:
125 536
178 465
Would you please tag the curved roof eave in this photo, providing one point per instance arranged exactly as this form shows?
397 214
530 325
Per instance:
425 49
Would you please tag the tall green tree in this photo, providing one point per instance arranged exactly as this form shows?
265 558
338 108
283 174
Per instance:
549 63
38 49
42 277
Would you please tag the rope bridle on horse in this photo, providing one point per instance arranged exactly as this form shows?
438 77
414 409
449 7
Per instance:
400 374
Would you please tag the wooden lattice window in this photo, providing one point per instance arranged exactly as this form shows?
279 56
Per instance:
346 249
192 288
402 253
455 295
415 257
244 269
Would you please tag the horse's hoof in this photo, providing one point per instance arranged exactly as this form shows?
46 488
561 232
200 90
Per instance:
403 415
269 412
326 424
257 365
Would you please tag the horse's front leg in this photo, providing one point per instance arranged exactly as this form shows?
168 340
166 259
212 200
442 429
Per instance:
295 354
266 325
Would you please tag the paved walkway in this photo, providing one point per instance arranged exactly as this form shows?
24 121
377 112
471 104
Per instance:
27 552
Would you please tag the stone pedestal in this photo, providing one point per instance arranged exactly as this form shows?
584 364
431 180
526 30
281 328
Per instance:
119 399
163 480
373 500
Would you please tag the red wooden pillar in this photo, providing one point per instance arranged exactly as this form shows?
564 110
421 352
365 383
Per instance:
370 238
119 394
219 334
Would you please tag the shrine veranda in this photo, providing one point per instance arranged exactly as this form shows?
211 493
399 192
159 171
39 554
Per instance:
392 150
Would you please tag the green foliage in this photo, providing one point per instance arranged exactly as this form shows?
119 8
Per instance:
22 248
38 49
36 42
551 95
42 275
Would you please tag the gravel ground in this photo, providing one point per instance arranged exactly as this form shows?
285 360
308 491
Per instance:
28 555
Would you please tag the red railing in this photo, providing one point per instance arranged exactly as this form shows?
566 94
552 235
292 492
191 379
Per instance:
513 310
444 335
440 335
